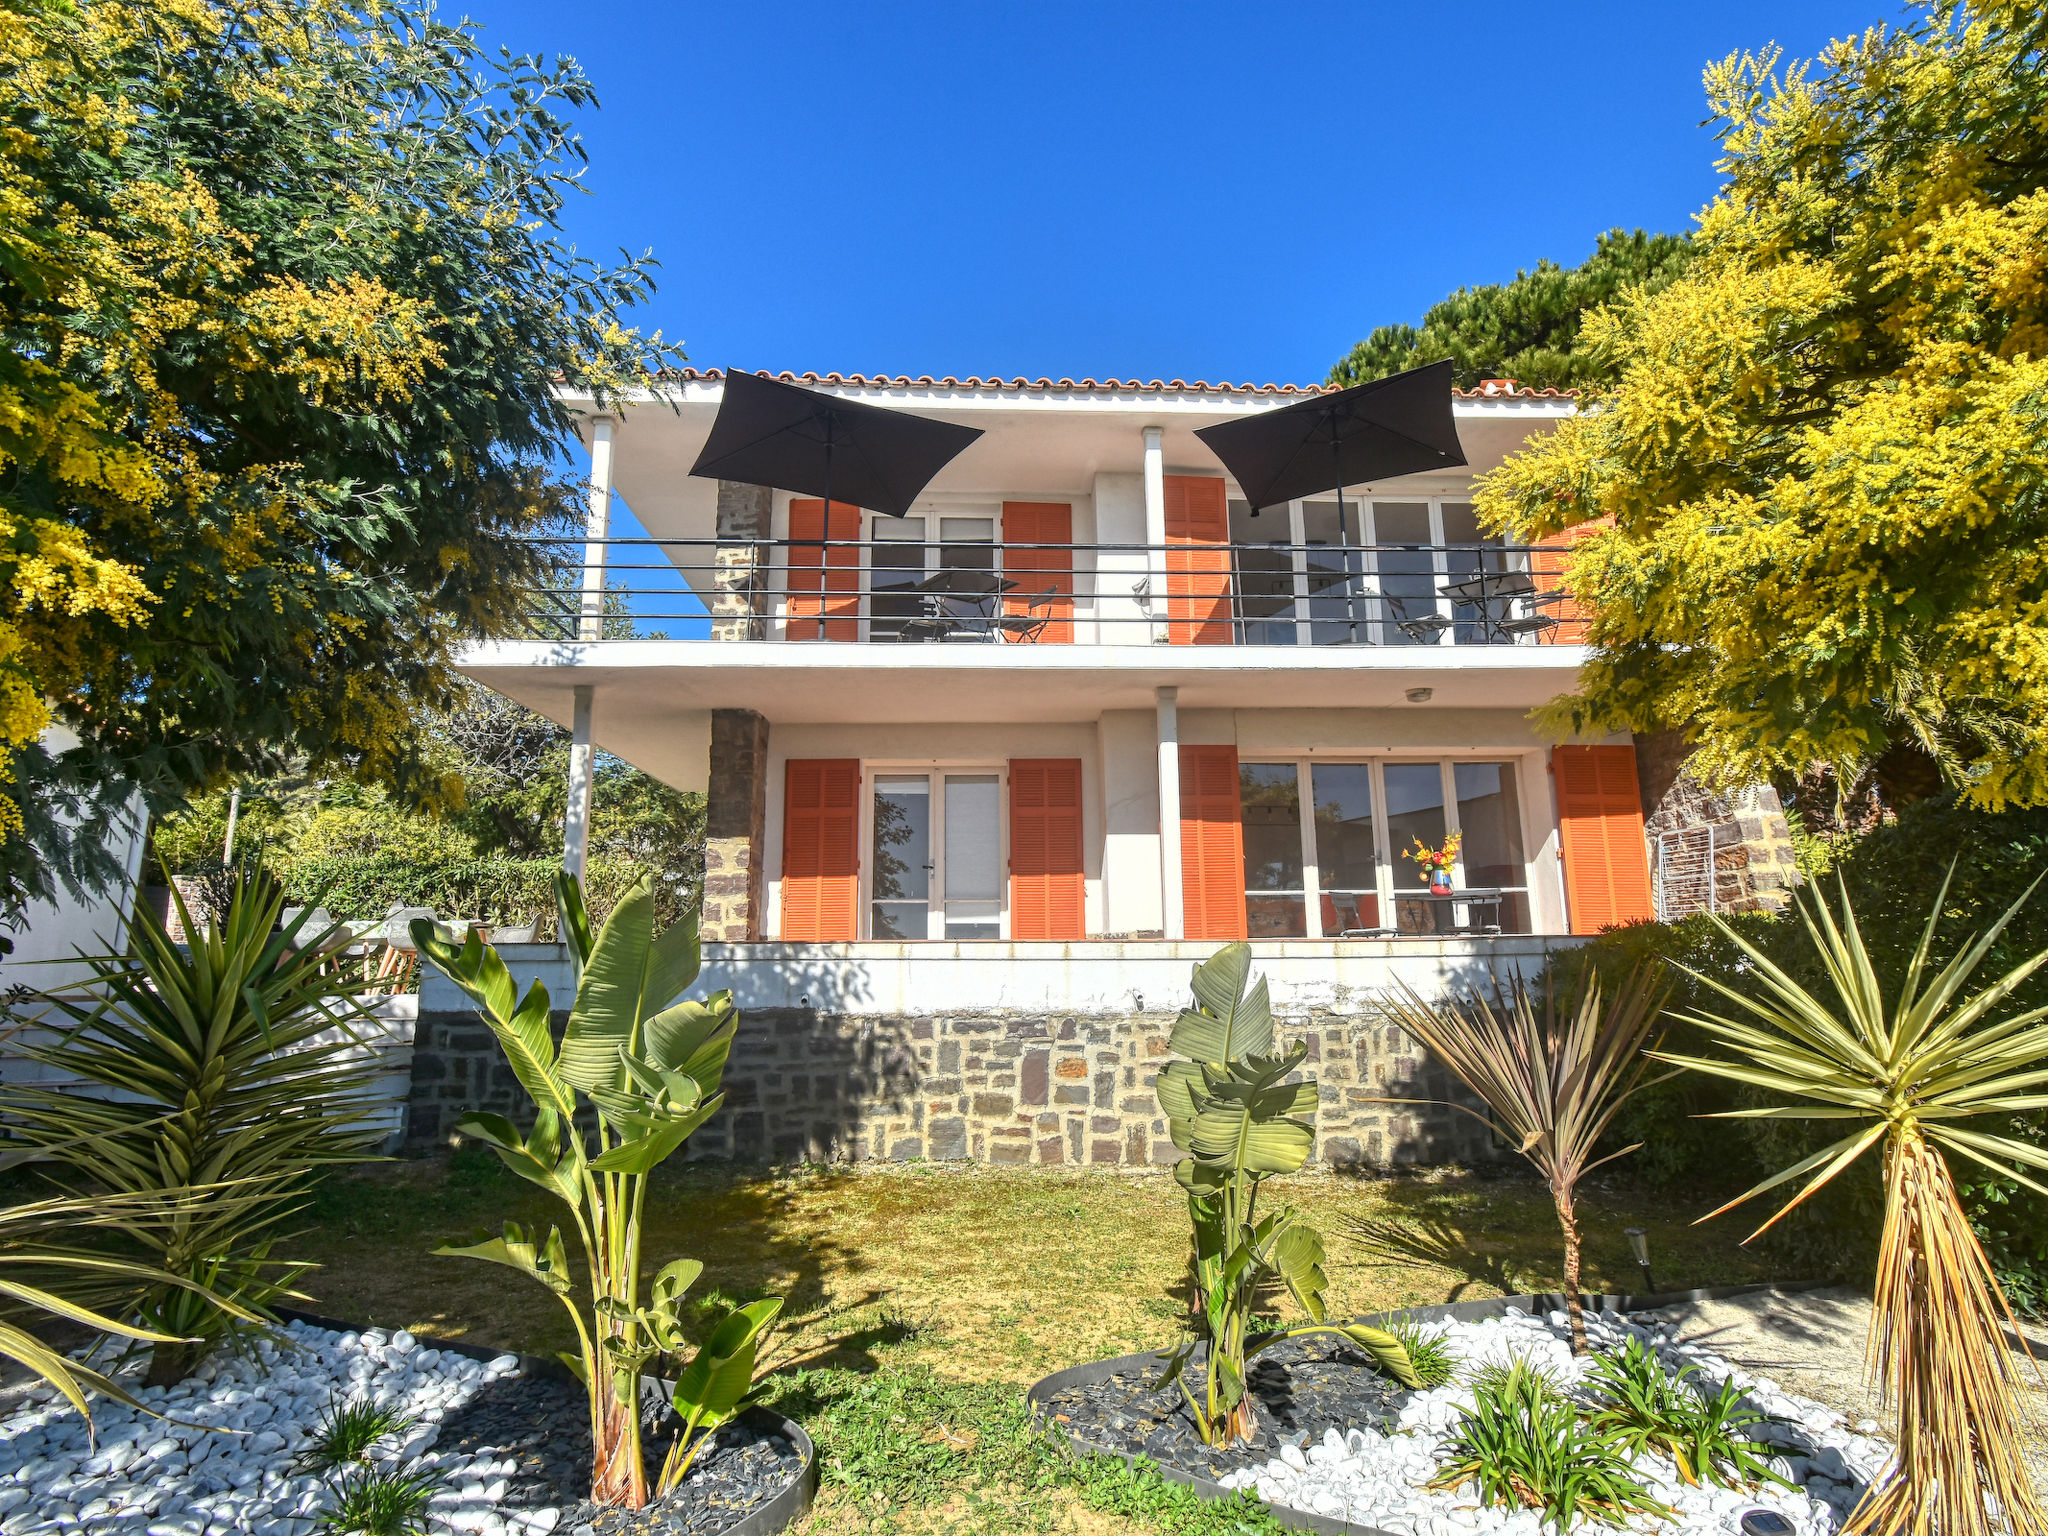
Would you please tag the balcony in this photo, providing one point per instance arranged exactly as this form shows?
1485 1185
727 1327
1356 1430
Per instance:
960 589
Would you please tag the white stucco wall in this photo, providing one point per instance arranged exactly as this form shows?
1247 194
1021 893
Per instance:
1093 978
1119 751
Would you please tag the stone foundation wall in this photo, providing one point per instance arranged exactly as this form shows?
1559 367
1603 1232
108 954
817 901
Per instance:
999 1087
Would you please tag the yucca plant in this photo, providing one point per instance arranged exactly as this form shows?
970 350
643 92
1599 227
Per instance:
1229 1107
1903 1073
228 1071
650 1066
1553 1078
45 1271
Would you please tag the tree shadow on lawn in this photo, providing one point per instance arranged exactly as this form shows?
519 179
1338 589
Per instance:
373 1233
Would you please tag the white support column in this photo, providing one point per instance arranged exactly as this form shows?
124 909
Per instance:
1172 896
1155 526
590 626
597 529
582 759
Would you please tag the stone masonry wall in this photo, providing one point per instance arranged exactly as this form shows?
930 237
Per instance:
998 1087
735 824
1751 866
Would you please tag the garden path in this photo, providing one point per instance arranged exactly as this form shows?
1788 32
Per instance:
1812 1342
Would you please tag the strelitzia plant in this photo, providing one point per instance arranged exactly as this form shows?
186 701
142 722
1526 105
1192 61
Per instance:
1902 1074
1554 1079
1229 1107
650 1066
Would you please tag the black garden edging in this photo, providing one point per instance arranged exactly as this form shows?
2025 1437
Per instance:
771 1518
1458 1311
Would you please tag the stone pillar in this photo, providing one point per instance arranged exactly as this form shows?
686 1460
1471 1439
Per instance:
740 565
1710 851
735 825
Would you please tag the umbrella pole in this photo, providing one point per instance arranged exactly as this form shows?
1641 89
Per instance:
1344 538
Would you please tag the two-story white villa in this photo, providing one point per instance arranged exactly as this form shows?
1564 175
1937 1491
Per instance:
984 780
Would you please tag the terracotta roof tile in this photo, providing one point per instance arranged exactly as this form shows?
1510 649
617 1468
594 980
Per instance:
1492 389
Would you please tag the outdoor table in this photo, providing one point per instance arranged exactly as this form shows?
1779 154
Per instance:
1494 593
977 588
1474 897
1488 586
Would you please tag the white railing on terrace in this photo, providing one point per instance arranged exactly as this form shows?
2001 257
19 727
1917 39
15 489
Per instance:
890 592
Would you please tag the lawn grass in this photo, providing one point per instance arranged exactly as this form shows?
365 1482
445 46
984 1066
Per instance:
924 1298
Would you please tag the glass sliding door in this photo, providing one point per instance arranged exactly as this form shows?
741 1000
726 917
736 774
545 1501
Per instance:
967 556
1415 813
973 856
1490 819
1407 573
902 865
1346 847
1265 575
937 864
1275 899
895 567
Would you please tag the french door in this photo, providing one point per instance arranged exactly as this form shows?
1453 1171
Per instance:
937 861
1324 845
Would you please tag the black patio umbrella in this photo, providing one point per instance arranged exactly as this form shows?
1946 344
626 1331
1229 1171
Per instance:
794 439
1392 426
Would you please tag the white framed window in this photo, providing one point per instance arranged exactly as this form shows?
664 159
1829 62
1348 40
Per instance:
908 556
937 852
1324 840
1337 589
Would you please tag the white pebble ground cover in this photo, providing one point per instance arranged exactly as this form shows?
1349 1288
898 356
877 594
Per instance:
1371 1479
152 1477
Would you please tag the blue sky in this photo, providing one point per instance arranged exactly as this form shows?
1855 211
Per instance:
1131 190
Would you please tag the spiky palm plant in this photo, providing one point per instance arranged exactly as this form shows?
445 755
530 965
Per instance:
1903 1073
1554 1084
227 1072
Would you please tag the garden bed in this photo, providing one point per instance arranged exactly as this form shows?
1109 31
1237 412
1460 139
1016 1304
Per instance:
507 1435
1341 1449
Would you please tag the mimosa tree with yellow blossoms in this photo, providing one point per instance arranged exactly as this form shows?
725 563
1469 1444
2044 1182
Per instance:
284 316
1811 519
1810 524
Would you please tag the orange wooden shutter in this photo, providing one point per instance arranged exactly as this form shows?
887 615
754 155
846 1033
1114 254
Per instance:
1046 892
1197 561
824 572
1600 829
820 848
1211 844
1549 567
1039 571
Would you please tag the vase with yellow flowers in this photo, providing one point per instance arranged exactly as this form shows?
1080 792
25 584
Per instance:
1435 864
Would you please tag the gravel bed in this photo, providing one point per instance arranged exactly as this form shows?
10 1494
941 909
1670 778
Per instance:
1298 1388
513 1450
538 1431
1363 1453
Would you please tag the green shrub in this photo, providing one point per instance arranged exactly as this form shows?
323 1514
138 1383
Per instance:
489 889
1890 874
1649 1408
1523 1445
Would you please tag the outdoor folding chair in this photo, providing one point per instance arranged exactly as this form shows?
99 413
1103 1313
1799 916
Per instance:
1026 627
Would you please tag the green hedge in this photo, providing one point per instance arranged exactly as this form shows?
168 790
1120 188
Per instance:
1891 876
491 889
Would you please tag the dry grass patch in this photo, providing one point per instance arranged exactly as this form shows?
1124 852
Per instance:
985 1274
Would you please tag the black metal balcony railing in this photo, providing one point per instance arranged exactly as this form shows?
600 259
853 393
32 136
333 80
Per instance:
904 593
